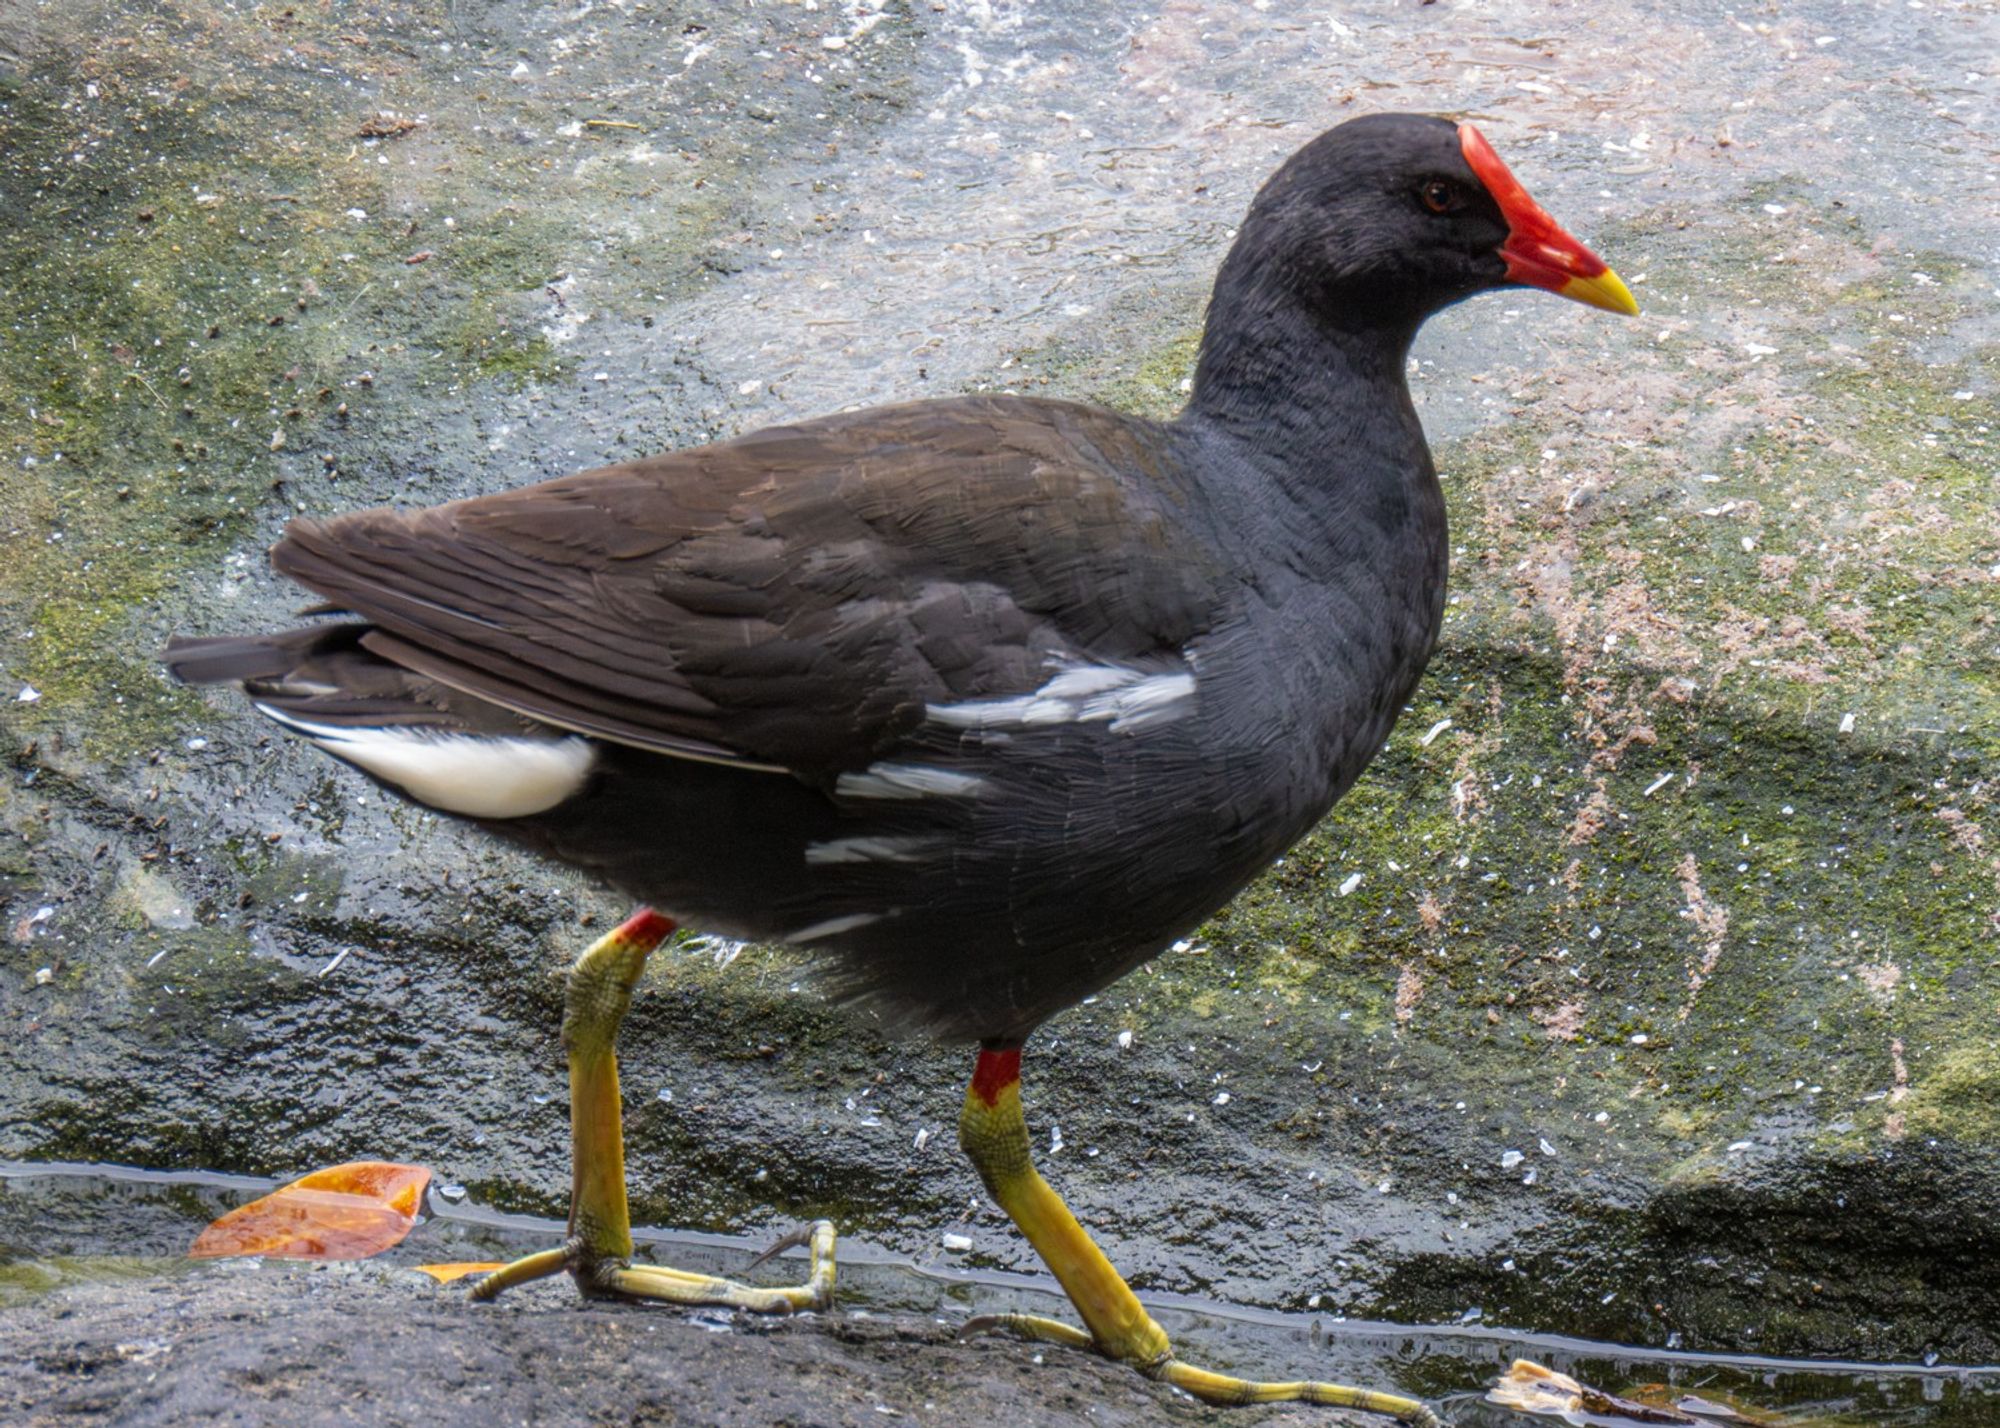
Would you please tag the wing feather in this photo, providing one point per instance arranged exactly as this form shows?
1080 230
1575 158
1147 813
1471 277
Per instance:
795 598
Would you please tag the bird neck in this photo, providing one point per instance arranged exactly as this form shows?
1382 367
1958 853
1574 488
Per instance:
1304 382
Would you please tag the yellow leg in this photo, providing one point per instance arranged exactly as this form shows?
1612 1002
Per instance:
995 1135
598 1252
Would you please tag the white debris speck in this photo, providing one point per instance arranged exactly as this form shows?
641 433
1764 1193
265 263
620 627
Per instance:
278 439
1657 784
1758 349
1774 209
338 958
749 388
1055 1139
1511 1158
28 695
196 745
1124 1041
957 1244
1530 1178
1735 1146
666 1096
1350 883
1847 722
1544 1146
721 950
1602 1117
1435 730
1639 1038
452 1193
1221 1098
923 1139
44 975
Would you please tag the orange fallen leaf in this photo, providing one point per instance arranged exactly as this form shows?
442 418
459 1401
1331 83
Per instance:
448 1273
347 1211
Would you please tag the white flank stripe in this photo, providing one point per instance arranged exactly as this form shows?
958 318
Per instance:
1150 701
905 781
868 850
1085 679
1127 699
473 775
832 926
988 713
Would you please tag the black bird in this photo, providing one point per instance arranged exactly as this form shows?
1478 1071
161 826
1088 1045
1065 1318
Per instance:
983 701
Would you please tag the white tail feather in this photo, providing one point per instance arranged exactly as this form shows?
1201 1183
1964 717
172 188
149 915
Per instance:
474 775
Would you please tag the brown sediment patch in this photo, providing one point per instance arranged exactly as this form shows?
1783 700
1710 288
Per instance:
1561 1022
1711 921
1590 819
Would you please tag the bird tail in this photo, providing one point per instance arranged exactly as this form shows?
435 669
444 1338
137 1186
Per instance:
452 751
259 660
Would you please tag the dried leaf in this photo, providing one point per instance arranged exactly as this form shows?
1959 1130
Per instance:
450 1273
347 1211
1530 1388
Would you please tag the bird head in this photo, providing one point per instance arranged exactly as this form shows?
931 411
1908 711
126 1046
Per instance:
1393 216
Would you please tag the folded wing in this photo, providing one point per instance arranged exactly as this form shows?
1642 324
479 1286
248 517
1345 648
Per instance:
794 599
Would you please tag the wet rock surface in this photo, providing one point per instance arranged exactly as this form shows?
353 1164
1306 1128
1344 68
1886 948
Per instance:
314 1349
1647 988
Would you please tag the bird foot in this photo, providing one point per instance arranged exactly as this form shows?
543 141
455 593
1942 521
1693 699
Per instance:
615 1276
598 1252
1208 1386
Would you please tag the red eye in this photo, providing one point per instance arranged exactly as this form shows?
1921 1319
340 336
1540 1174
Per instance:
1440 197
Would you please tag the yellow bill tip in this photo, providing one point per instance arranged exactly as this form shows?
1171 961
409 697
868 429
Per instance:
1606 290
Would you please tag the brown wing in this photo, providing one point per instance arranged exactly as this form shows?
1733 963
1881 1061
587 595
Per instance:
794 598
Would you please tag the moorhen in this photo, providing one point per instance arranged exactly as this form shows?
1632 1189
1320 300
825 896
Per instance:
983 701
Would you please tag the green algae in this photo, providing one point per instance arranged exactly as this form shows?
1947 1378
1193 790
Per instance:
1157 386
1959 1098
24 1281
215 285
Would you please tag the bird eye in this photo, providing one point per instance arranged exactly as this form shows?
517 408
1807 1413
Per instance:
1440 197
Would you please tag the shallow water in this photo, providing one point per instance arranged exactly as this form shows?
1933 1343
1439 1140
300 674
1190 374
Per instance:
95 1222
